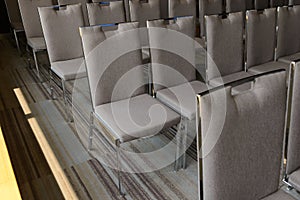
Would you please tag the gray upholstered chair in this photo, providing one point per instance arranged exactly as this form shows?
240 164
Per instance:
61 30
294 2
15 20
240 140
261 4
292 173
141 11
235 6
208 7
124 110
278 3
261 39
32 25
173 70
83 4
106 12
182 8
225 48
288 40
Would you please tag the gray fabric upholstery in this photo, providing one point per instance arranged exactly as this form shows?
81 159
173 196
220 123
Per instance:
37 43
83 4
126 4
293 156
224 45
208 7
261 29
279 195
229 78
269 66
61 30
182 8
181 98
288 59
69 69
164 9
235 6
106 14
261 4
249 4
30 16
242 159
168 68
103 73
13 12
294 179
278 3
142 11
288 41
294 2
140 116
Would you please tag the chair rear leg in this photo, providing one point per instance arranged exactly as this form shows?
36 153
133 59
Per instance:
36 63
17 40
67 109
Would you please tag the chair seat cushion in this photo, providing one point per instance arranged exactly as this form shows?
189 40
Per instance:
18 26
137 117
182 98
294 179
266 67
290 58
228 78
69 69
37 43
279 195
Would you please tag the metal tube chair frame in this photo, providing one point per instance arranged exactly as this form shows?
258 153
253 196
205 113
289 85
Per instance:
198 120
107 136
288 115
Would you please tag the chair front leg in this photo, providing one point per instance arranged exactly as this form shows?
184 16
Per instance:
34 52
178 146
119 168
67 109
91 131
17 40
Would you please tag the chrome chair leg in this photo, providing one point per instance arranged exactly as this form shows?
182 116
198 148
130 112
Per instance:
178 146
119 169
17 40
91 131
67 109
36 63
184 141
51 85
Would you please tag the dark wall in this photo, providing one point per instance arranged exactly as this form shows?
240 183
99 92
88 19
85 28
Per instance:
4 21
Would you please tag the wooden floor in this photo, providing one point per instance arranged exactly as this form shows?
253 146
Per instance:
33 175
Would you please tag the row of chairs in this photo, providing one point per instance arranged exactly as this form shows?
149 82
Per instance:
268 45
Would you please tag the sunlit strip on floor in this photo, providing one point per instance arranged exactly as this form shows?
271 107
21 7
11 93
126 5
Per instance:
58 172
22 101
8 184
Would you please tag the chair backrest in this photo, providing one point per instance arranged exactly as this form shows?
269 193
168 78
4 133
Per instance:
107 63
294 2
208 7
106 13
261 36
243 146
13 11
141 11
182 8
30 16
293 156
83 4
225 49
261 4
61 31
235 6
164 9
278 3
249 4
126 5
172 68
288 40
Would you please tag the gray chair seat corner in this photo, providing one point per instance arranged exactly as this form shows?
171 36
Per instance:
136 117
279 195
228 78
69 69
270 66
290 58
37 43
294 179
18 26
182 98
